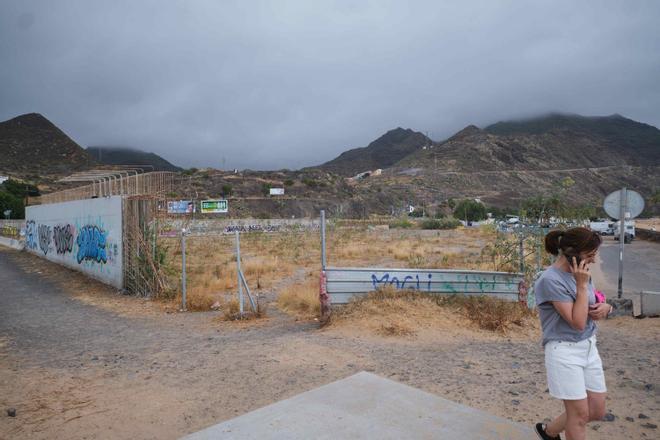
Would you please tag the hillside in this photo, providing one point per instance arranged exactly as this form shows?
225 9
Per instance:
381 153
110 155
553 142
33 147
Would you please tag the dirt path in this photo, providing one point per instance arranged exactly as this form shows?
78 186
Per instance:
77 361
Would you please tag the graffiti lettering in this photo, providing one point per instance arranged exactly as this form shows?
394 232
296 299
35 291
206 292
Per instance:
91 244
63 238
31 235
9 231
400 284
252 228
44 238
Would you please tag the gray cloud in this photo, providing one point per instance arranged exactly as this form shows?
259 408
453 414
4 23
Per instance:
269 85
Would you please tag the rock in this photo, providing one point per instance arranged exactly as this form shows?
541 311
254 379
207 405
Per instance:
513 393
650 425
595 427
515 402
95 358
648 387
216 305
642 416
609 417
630 419
11 412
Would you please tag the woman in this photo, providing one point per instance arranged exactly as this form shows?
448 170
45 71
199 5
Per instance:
567 308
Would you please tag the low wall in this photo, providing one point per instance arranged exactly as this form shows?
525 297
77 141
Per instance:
344 283
85 235
650 303
647 234
172 227
12 243
11 228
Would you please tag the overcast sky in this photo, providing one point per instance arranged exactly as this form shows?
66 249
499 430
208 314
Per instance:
286 84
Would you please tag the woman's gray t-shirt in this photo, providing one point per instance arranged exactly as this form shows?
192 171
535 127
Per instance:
556 285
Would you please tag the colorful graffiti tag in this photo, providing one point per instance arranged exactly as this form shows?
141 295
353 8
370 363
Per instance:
63 238
91 244
44 238
31 235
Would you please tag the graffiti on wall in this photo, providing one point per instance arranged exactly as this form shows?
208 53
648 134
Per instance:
31 235
91 244
44 232
252 228
63 238
414 282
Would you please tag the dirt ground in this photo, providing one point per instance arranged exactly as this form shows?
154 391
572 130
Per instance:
78 360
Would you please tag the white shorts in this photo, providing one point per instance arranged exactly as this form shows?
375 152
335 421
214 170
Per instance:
574 368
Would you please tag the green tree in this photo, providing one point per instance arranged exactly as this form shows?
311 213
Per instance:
470 210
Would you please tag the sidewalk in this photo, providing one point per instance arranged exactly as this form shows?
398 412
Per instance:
365 406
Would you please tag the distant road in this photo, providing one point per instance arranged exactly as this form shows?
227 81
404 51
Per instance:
641 266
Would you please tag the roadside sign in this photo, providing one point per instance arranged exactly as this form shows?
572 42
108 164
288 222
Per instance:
277 191
214 207
622 205
634 204
180 207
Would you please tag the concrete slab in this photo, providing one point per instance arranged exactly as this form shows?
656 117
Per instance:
366 406
650 303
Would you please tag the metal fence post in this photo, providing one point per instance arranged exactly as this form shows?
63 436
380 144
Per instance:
522 253
238 273
323 255
622 236
183 269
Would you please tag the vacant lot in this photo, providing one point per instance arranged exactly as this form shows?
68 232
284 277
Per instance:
78 360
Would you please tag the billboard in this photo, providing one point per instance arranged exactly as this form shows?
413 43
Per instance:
277 191
214 206
180 207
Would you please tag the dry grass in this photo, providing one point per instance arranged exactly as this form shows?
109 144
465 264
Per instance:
270 259
405 313
301 299
231 311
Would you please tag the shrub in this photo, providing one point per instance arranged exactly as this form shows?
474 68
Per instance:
288 182
443 223
470 210
226 190
402 223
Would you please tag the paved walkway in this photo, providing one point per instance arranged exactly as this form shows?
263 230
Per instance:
365 406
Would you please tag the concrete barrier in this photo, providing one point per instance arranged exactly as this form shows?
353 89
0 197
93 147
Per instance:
85 235
343 283
12 243
650 303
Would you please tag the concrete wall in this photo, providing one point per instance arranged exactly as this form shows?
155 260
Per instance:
85 235
647 234
172 227
650 303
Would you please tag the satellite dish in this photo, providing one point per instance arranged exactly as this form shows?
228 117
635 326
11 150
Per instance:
634 204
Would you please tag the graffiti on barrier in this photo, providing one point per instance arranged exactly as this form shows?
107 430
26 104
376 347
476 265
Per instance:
31 235
44 238
63 238
92 244
414 282
9 231
252 228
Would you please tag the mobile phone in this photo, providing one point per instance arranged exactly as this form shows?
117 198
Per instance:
578 260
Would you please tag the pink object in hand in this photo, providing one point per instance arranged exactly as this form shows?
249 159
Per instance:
600 296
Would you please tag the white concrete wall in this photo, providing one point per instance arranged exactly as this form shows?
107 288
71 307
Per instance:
85 235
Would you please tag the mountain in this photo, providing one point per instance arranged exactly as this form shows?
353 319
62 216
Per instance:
552 142
381 153
112 155
31 145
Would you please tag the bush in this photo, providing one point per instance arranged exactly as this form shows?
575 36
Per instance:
402 223
443 223
288 182
226 190
470 210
